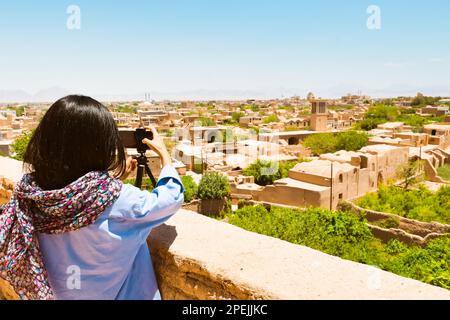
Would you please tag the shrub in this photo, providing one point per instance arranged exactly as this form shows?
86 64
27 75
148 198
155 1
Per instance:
213 185
264 172
20 145
190 188
420 203
444 172
347 236
335 233
430 264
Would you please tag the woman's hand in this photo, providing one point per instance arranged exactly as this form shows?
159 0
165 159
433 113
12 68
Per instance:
158 145
130 167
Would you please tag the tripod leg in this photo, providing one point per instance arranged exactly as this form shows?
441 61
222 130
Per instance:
150 174
139 176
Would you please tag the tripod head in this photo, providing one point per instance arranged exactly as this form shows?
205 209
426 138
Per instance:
133 139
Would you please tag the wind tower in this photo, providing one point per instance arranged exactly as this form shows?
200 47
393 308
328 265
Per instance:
319 115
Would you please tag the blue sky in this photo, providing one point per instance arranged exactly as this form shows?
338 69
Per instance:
179 46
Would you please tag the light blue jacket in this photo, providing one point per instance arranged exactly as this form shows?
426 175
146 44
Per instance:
110 258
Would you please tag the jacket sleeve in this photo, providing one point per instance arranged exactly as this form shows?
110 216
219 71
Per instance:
150 209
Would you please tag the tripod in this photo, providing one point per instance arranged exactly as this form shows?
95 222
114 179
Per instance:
143 165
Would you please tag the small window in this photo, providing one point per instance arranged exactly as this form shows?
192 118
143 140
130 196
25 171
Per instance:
373 166
341 178
364 163
341 196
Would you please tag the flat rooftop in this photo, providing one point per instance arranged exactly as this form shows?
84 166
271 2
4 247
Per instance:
379 148
322 168
437 126
301 185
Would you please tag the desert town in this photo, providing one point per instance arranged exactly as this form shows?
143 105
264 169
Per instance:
348 157
225 150
228 136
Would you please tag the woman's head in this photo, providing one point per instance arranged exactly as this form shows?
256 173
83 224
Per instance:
77 135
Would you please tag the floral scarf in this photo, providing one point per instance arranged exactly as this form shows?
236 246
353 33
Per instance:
32 211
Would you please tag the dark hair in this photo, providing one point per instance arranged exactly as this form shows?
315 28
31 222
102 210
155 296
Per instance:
77 135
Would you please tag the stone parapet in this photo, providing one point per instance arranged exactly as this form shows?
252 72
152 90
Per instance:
196 257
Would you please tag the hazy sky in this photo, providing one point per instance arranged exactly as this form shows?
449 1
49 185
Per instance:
184 45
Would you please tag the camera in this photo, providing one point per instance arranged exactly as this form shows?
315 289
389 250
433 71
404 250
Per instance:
133 138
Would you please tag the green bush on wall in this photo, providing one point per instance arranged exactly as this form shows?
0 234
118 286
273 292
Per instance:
213 185
190 188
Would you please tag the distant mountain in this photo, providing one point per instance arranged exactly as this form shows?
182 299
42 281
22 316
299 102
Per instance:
14 96
51 94
46 95
54 93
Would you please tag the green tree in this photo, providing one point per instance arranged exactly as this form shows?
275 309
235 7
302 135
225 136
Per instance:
20 145
422 101
351 140
20 110
126 109
235 118
321 143
408 173
271 118
207 122
378 114
213 185
264 172
413 120
331 142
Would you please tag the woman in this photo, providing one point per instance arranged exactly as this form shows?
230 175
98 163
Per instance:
73 231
